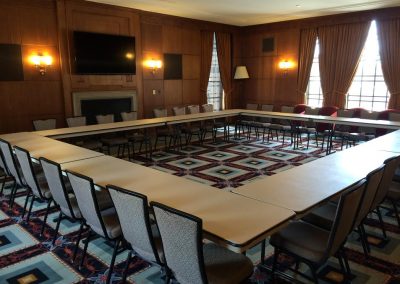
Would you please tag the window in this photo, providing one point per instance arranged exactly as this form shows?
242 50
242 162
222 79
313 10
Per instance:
368 89
314 92
215 93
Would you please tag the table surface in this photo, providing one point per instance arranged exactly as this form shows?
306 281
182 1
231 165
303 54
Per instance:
51 149
170 120
304 187
230 219
242 219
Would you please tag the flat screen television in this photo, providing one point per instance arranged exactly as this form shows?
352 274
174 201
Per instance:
97 53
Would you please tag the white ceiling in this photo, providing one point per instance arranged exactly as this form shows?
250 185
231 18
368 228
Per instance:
251 12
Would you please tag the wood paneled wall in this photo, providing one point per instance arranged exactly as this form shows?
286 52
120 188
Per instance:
270 85
47 25
33 25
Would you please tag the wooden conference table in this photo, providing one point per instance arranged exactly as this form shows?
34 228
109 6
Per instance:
234 221
57 151
237 220
304 187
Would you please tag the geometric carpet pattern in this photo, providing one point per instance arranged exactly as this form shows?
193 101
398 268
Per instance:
27 257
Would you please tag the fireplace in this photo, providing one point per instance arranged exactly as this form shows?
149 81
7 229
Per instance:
90 104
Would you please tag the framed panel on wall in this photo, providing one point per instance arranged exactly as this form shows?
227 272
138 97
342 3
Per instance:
172 66
11 63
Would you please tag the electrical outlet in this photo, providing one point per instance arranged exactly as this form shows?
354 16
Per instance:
154 92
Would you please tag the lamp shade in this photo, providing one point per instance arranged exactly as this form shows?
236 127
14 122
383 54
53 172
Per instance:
241 73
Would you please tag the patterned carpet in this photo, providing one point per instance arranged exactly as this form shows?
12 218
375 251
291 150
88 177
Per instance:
25 257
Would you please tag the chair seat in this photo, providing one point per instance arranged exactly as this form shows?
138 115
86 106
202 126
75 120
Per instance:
219 124
111 223
307 129
282 127
224 266
44 187
113 141
74 207
322 216
302 239
190 129
104 199
262 124
136 137
164 132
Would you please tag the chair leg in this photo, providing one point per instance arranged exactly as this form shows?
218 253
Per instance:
85 249
25 204
12 195
363 240
262 252
275 262
378 211
45 216
367 246
111 268
77 243
128 261
30 208
3 182
57 227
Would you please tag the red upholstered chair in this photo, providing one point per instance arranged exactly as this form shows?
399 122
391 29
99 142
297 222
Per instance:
386 115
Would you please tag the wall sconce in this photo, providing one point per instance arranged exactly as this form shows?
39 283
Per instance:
41 62
241 73
285 65
153 64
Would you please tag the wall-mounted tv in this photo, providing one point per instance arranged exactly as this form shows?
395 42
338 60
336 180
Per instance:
104 53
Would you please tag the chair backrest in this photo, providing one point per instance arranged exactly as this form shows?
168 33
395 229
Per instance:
10 161
128 116
193 109
267 107
368 115
181 235
311 111
76 121
160 112
345 113
84 190
24 160
55 180
108 118
391 165
287 109
346 214
44 124
373 179
394 116
3 164
179 110
133 214
207 107
252 106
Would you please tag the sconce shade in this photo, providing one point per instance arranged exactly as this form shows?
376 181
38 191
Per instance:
41 62
241 73
153 65
285 65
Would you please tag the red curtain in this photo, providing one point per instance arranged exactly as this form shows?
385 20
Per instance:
225 65
205 62
308 38
340 52
389 50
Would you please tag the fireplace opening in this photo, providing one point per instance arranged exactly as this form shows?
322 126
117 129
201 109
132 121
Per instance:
91 108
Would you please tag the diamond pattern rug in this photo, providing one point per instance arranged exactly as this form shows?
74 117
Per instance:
27 257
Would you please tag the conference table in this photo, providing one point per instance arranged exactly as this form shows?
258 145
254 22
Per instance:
304 187
238 220
57 151
231 220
